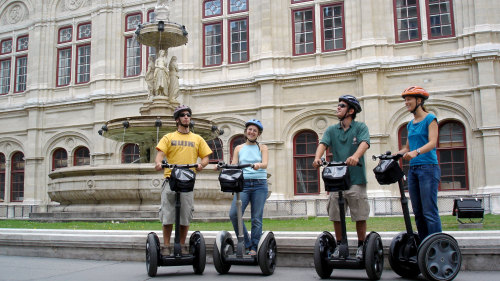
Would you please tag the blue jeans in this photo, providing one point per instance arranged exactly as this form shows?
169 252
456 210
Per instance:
423 182
255 193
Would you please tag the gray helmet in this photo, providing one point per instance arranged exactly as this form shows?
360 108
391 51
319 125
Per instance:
180 109
352 102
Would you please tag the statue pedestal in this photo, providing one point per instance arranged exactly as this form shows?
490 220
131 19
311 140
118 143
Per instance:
158 105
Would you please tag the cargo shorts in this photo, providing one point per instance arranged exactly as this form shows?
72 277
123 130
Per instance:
355 198
167 207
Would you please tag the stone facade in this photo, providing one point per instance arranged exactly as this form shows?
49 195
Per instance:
288 93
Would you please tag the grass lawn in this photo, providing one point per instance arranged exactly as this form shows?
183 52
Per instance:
379 224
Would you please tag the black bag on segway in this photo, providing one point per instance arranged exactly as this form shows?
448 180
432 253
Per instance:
231 180
336 178
182 180
388 171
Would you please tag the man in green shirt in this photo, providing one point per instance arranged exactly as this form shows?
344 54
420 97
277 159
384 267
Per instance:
348 141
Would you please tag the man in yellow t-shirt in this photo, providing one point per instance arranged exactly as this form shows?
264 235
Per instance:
179 147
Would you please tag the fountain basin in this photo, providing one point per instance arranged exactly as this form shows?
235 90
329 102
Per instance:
173 35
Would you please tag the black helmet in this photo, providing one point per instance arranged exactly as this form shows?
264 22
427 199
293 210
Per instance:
256 123
180 109
352 102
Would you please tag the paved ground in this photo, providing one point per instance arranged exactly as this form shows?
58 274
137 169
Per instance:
35 268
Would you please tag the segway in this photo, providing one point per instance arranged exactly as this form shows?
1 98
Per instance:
225 252
336 178
181 180
437 257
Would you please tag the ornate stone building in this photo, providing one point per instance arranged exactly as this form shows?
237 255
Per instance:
66 67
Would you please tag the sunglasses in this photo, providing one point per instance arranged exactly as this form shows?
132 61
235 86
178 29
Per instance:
342 105
184 114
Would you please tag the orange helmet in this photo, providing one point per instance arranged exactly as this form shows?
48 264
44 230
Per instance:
415 91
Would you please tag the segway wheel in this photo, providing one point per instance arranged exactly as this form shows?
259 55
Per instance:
152 254
374 256
198 248
439 257
323 248
267 255
401 246
227 248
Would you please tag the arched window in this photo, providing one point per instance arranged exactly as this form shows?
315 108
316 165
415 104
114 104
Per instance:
2 177
59 159
403 137
81 157
17 177
237 140
130 153
452 155
306 176
216 147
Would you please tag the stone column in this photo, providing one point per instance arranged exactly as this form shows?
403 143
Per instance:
489 127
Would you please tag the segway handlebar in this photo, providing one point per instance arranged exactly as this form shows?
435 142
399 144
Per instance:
222 165
325 163
164 164
387 156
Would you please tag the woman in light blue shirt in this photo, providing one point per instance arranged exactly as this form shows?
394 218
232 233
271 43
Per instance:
424 174
255 183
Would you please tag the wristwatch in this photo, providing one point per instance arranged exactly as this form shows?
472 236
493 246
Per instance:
418 151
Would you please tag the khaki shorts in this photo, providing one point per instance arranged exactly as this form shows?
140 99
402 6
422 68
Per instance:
167 208
356 200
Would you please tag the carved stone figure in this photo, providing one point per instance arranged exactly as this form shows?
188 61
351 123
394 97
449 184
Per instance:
173 87
161 78
150 77
15 14
162 10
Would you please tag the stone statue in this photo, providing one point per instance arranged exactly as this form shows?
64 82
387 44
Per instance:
173 87
162 10
150 77
161 78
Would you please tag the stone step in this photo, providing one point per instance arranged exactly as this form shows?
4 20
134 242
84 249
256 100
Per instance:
480 249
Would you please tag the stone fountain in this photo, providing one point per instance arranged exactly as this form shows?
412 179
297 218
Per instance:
132 191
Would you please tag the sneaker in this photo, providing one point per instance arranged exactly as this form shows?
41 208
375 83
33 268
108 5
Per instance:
252 253
165 251
359 253
336 253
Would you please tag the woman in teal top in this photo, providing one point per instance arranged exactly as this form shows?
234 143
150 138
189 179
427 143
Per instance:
255 183
424 174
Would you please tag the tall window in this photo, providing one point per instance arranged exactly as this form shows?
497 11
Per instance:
216 146
21 72
333 27
130 153
238 40
303 31
407 20
440 18
59 158
82 156
83 64
5 76
213 44
237 140
306 176
452 153
133 51
2 177
17 177
13 61
64 66
214 19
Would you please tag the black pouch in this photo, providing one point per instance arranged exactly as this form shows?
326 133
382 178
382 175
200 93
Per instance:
182 180
336 178
388 171
231 180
